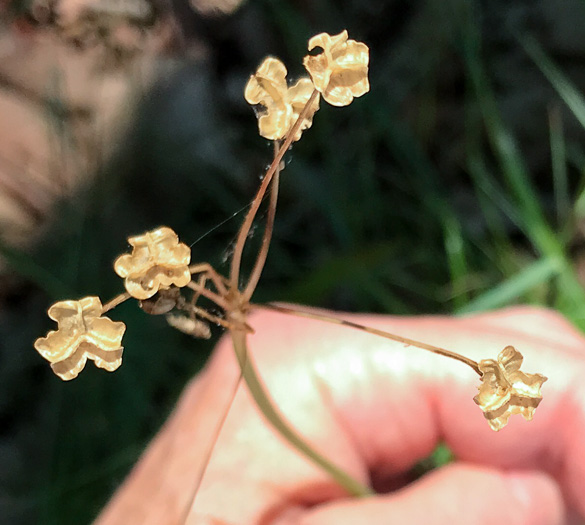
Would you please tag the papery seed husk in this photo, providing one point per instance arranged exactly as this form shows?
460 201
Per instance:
162 302
190 326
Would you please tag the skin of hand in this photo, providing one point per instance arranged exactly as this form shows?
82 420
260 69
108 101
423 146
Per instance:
374 407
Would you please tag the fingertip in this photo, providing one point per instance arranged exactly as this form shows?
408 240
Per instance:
456 494
537 496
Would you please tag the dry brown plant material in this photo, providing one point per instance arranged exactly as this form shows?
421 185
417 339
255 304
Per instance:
505 390
158 260
82 334
189 325
340 71
281 104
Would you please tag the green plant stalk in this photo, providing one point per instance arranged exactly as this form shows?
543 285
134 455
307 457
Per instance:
559 170
266 406
455 250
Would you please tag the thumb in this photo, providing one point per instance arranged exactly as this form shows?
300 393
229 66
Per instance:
459 493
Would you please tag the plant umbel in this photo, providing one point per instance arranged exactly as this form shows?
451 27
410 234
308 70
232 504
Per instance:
158 273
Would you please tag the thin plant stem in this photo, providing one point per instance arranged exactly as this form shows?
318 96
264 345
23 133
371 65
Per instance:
410 342
116 301
218 280
268 229
266 405
209 453
217 299
201 283
196 310
249 219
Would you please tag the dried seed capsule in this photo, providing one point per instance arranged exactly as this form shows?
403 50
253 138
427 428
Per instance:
505 390
82 334
282 104
340 71
158 261
162 302
189 325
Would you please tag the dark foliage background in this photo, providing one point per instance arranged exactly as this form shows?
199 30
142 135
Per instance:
454 186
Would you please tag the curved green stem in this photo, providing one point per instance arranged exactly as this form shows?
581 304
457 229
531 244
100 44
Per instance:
266 405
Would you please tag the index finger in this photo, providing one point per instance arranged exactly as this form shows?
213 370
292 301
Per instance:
370 405
398 402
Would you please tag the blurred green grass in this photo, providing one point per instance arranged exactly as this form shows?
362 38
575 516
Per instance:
422 197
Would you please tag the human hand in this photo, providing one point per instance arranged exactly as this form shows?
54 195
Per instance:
375 408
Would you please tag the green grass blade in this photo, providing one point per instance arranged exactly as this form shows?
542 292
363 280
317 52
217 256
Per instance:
454 247
23 264
559 166
564 87
515 287
545 240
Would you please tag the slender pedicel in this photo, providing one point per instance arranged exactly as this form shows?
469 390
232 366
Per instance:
268 229
247 224
218 280
410 342
116 301
201 312
217 299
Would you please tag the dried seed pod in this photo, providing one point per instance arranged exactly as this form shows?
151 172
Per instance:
340 72
189 325
505 390
282 104
158 261
162 302
82 334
